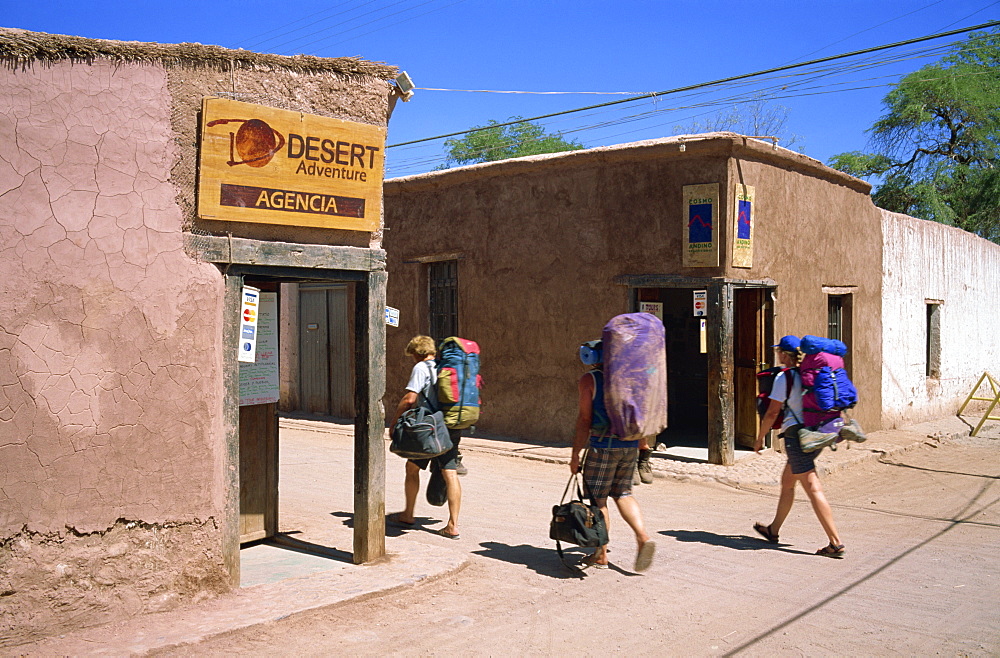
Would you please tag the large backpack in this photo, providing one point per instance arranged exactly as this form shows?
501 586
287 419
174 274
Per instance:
635 375
827 388
765 384
458 382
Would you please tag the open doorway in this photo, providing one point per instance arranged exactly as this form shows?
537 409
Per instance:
288 526
687 369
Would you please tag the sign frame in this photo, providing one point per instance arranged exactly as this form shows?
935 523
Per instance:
261 164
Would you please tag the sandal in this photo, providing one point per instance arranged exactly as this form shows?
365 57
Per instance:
832 550
765 532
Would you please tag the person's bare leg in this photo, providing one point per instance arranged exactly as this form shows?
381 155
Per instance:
810 482
600 556
629 509
454 488
785 499
411 487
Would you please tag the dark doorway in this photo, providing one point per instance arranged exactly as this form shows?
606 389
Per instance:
687 368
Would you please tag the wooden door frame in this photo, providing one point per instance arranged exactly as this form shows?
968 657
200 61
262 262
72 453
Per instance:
721 368
288 262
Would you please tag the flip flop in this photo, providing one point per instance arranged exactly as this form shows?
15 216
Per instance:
765 532
394 518
644 559
445 533
830 550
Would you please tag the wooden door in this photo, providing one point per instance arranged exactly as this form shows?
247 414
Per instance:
751 335
326 379
258 472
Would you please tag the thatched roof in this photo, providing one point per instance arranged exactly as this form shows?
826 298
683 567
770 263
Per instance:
20 48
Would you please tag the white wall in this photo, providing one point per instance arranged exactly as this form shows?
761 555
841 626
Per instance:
923 261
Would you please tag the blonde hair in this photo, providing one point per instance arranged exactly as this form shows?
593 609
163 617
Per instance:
796 355
421 346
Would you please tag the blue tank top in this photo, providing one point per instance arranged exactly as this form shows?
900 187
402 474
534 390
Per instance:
600 424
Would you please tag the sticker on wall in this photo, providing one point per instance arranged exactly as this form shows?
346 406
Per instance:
392 316
743 226
701 238
700 303
249 310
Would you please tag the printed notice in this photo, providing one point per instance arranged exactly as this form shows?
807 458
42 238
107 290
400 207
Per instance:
701 214
259 380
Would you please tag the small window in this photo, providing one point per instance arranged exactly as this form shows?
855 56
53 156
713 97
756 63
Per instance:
443 281
839 323
934 340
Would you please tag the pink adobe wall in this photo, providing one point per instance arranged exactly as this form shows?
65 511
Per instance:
110 360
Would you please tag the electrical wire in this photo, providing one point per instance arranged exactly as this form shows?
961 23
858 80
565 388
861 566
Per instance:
715 82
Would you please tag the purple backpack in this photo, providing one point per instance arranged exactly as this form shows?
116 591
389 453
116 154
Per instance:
635 375
827 388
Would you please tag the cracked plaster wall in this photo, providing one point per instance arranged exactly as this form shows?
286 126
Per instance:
110 340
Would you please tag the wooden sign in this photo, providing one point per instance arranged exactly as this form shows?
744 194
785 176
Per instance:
701 216
261 164
743 226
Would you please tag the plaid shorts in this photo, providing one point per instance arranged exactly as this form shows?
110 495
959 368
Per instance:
608 472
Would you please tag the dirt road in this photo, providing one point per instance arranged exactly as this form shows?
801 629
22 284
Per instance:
921 575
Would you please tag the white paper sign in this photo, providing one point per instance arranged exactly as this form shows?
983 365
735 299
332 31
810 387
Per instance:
392 316
259 380
653 308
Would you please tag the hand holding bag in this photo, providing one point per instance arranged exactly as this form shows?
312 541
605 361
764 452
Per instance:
576 522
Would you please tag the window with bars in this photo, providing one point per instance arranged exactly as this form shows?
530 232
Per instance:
443 299
839 323
933 348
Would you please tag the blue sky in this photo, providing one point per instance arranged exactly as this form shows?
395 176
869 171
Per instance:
580 46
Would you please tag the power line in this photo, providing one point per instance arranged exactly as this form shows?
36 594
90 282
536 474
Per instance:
712 83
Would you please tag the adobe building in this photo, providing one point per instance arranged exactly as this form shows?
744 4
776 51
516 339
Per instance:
153 200
733 241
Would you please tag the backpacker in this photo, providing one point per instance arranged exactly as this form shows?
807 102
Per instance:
765 384
827 388
458 382
635 375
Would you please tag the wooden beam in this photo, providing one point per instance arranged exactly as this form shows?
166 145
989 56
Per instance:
721 406
243 251
369 423
231 423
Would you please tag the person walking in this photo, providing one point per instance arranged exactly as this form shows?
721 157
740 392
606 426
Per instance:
800 468
610 461
421 390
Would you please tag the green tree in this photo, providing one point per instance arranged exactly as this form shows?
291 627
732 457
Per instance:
498 142
936 148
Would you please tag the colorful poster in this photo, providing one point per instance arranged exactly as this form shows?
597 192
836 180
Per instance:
743 226
259 380
701 238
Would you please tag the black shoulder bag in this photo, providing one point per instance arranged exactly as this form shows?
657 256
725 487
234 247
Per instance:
420 432
576 522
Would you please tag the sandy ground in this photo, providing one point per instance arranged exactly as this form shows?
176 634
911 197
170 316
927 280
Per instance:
922 531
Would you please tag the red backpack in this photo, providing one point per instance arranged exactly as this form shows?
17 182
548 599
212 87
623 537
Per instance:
765 383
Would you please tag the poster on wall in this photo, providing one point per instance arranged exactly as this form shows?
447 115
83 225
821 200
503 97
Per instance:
259 380
701 239
262 164
654 308
743 226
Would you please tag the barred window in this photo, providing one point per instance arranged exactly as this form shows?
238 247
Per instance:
443 282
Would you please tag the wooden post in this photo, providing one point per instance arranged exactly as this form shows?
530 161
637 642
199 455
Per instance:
231 420
369 423
721 428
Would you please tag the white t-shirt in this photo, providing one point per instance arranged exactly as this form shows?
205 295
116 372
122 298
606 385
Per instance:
424 374
793 410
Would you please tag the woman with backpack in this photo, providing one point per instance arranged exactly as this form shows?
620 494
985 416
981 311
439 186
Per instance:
800 467
423 379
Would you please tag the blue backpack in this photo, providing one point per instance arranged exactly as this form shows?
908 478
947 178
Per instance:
458 382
